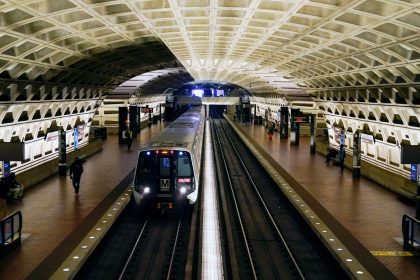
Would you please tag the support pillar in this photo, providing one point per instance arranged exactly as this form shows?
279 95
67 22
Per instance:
294 127
357 141
150 117
313 125
62 156
284 122
122 123
134 119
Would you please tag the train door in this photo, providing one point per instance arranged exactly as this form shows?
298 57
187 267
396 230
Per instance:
166 178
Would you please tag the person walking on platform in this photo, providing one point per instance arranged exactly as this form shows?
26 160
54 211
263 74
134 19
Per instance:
129 139
76 170
341 157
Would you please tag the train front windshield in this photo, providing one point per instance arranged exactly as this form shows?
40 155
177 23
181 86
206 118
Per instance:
161 172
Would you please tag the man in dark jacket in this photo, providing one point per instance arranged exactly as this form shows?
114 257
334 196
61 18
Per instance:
76 170
3 196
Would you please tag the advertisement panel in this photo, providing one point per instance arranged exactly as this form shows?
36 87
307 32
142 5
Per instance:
367 138
51 136
336 133
76 138
81 131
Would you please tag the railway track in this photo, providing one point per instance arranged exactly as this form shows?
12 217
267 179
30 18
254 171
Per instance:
154 253
153 246
266 236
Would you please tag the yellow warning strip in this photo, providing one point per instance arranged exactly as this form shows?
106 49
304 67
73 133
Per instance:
394 253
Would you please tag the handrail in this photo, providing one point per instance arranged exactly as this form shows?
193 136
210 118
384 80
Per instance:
11 228
410 231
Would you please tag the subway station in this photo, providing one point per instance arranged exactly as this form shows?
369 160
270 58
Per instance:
210 139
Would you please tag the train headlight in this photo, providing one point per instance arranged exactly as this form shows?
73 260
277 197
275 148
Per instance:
146 190
183 190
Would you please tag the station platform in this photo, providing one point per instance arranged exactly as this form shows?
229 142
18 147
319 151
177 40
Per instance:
364 215
54 220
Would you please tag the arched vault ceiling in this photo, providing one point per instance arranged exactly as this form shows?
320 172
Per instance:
318 43
152 83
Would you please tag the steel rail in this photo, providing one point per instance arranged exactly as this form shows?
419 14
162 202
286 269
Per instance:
168 275
132 251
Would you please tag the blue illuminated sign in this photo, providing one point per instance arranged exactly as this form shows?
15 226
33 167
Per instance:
413 174
6 169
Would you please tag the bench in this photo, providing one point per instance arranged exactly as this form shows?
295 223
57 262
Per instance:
10 233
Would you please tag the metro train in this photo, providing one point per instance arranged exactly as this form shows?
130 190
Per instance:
168 167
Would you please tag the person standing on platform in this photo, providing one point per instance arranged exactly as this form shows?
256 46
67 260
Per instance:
76 170
15 187
3 197
270 130
341 157
129 139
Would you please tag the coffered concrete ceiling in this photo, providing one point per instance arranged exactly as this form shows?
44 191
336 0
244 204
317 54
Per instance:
268 46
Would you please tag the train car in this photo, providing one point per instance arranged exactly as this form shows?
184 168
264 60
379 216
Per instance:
168 167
